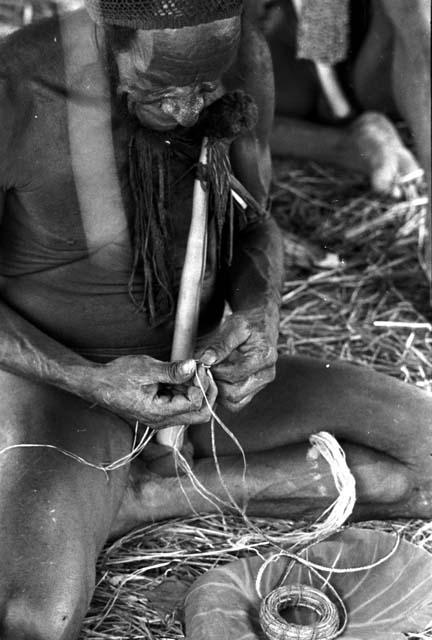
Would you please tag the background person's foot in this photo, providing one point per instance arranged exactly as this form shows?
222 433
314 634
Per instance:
383 155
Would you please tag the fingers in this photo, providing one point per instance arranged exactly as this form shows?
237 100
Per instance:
235 396
234 332
245 364
190 407
157 393
177 372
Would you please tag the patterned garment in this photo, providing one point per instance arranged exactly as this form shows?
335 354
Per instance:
161 14
323 33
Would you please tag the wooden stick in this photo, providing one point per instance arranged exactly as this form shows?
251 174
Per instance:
190 288
328 80
332 90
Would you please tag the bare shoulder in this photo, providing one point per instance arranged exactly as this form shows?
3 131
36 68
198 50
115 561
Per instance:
38 50
253 63
253 71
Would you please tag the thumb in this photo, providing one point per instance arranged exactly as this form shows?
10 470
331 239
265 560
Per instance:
181 371
234 332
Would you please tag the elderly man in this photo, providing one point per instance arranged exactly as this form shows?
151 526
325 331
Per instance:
99 118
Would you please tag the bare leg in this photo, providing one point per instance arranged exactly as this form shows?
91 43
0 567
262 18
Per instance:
370 145
412 86
384 426
55 513
400 39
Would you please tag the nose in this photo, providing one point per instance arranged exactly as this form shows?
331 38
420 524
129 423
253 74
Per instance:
185 111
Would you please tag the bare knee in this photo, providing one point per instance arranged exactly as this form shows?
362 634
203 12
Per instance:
44 595
24 617
379 478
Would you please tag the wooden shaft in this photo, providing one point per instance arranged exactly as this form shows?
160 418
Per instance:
328 80
332 90
186 320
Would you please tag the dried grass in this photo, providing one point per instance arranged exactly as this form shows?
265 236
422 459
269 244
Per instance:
178 552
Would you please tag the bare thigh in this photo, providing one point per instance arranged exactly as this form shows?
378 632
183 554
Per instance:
356 404
55 513
383 425
372 69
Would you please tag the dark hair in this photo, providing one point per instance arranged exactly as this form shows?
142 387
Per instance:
119 38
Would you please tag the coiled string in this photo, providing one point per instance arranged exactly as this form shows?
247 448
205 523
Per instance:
276 628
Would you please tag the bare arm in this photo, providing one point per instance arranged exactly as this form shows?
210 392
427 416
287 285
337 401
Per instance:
27 351
23 348
256 273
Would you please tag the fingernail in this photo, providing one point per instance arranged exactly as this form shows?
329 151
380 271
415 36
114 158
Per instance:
209 357
188 367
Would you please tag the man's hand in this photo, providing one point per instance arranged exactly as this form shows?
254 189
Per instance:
159 394
243 355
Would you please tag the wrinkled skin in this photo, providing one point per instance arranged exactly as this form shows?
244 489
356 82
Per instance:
242 356
163 95
158 394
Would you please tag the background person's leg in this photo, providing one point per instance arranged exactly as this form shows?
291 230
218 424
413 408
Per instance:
392 72
55 513
370 144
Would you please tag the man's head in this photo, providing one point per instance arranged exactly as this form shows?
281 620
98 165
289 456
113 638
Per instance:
170 73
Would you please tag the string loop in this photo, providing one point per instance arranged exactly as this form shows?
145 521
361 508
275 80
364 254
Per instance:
276 628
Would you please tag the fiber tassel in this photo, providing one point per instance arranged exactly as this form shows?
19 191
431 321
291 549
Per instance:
323 30
149 182
336 514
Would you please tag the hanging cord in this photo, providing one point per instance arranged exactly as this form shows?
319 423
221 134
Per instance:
137 447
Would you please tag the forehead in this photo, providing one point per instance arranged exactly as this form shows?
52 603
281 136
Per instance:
191 54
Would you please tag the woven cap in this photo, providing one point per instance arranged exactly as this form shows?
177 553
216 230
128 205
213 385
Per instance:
161 14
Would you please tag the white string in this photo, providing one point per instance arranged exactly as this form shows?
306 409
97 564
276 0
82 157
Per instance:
182 463
229 433
105 468
318 567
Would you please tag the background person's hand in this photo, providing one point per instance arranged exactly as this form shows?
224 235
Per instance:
242 355
158 394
